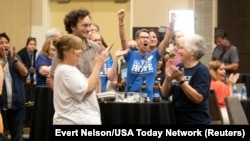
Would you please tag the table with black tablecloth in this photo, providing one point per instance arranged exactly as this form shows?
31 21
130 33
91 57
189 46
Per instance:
42 115
111 113
117 113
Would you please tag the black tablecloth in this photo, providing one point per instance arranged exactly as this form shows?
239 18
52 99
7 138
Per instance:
246 107
245 78
42 114
113 113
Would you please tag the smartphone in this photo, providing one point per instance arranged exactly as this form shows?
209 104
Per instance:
110 47
107 49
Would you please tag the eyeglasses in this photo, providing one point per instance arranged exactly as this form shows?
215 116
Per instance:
145 37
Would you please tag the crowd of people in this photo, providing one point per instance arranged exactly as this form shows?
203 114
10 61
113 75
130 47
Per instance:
80 65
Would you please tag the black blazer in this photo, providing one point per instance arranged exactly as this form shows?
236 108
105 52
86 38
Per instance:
26 59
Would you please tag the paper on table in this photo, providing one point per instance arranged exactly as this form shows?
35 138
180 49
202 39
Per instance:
106 96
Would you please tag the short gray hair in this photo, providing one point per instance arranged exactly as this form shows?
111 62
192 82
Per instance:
53 32
194 43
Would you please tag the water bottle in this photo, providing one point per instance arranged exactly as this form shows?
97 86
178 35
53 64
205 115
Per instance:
235 91
243 93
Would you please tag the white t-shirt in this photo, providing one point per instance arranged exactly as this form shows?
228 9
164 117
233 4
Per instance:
72 105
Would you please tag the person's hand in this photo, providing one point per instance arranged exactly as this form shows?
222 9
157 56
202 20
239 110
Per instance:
168 56
121 14
173 20
236 77
121 52
233 78
169 65
32 70
174 72
2 53
4 57
106 50
178 74
13 53
101 58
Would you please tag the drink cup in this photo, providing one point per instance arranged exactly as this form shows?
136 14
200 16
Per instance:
130 97
119 97
144 97
137 97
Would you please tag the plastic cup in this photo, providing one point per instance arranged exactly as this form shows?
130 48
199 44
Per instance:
119 97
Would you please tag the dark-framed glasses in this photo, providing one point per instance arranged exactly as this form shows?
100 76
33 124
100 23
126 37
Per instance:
145 37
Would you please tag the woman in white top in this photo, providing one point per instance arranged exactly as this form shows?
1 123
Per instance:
75 99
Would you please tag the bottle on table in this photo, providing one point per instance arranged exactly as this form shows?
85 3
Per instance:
144 88
156 91
236 92
120 85
243 93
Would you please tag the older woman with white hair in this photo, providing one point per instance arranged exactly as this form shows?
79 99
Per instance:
189 82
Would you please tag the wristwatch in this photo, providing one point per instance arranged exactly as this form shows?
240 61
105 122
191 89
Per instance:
182 82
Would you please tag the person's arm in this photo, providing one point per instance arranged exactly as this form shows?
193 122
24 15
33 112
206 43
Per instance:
111 74
20 67
191 93
173 72
230 81
22 70
55 62
50 81
94 77
4 57
99 86
164 43
231 67
166 86
44 70
124 42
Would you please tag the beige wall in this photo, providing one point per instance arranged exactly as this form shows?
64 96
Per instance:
40 19
155 12
24 18
15 21
103 13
